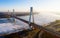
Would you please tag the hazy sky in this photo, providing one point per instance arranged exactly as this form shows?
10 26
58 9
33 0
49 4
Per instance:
50 5
23 5
18 5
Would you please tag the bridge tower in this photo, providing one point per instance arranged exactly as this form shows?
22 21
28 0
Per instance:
13 14
31 17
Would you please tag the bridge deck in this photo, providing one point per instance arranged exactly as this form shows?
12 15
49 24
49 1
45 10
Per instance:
53 32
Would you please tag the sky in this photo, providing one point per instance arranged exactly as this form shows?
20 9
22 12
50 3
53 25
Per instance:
50 5
18 5
24 5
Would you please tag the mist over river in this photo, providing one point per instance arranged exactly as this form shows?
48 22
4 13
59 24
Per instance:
43 18
40 19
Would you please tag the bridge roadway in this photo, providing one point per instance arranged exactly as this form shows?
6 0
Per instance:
39 27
